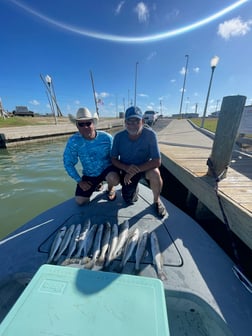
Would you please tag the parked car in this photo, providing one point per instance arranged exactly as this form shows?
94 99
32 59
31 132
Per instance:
150 117
23 111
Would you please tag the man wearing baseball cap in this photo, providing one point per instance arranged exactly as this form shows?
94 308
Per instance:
136 153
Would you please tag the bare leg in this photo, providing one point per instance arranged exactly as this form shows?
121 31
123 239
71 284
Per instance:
112 179
156 183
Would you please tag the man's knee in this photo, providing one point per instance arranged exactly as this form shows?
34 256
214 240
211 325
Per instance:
113 178
153 174
81 200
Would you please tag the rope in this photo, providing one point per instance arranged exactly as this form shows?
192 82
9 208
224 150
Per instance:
217 180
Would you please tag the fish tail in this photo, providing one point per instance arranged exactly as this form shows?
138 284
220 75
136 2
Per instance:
162 276
85 260
89 265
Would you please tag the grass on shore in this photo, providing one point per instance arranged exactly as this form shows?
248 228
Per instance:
210 123
29 121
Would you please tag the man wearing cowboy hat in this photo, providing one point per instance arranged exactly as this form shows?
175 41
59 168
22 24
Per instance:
92 148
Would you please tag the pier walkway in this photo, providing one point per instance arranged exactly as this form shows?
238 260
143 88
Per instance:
185 150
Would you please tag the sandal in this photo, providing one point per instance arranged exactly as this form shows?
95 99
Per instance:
111 195
160 209
99 187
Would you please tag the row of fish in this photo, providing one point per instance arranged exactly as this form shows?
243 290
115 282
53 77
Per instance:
99 245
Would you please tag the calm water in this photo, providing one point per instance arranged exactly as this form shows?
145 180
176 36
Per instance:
32 179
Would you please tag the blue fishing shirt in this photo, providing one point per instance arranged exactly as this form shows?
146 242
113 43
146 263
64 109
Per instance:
137 151
94 155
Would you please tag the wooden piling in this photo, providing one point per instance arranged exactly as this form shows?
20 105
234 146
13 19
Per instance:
225 135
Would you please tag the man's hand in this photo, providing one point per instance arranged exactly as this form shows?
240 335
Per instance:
85 185
127 178
132 170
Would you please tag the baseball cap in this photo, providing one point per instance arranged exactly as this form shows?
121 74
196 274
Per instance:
133 112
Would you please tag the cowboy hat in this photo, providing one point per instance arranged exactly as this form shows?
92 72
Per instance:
83 114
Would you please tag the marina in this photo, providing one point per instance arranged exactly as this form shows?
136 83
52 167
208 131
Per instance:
195 298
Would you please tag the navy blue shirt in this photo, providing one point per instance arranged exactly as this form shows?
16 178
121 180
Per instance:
136 151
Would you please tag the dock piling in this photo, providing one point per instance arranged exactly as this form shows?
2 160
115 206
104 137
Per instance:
225 135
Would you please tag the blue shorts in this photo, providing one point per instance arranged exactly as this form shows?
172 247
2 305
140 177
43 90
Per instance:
95 181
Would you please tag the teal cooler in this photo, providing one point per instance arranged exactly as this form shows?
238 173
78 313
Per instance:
70 301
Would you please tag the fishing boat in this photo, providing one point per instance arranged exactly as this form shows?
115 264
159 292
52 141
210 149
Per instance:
203 295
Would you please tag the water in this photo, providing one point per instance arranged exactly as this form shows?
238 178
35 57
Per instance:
32 179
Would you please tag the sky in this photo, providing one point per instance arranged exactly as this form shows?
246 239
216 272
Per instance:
155 54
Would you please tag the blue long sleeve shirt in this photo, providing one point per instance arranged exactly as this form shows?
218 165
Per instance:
94 155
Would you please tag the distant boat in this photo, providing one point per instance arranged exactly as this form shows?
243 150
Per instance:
203 295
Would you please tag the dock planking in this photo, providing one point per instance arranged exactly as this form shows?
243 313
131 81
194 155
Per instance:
185 151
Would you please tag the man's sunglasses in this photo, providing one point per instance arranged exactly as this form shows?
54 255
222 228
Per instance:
83 124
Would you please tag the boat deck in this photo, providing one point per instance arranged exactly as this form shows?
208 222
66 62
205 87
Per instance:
196 269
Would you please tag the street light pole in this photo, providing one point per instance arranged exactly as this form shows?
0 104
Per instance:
183 90
213 63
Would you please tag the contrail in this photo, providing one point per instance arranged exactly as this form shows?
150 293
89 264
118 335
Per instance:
131 39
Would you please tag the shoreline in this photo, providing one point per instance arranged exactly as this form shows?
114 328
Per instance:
11 136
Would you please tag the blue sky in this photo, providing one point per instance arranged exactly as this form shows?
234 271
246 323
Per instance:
124 43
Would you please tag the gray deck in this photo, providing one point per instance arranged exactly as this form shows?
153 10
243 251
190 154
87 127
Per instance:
200 285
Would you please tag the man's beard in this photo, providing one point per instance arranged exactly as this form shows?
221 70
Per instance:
135 132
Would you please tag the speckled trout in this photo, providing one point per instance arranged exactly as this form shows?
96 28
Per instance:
56 243
157 256
112 245
141 249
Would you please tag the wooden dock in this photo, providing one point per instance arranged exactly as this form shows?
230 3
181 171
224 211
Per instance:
185 151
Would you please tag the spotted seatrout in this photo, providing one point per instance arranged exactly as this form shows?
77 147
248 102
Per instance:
157 256
96 247
104 243
129 248
56 243
73 241
141 249
82 238
112 245
122 237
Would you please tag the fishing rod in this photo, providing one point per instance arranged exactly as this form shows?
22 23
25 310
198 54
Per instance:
96 106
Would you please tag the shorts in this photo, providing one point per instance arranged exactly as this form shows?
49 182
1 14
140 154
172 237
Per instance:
130 191
95 180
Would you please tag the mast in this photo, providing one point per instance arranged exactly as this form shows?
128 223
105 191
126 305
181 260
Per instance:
95 100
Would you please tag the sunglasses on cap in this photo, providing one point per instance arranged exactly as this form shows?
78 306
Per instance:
83 124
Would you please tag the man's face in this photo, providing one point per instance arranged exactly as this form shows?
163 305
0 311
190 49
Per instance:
134 125
86 128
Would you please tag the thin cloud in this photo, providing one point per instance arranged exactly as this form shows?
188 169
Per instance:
119 7
182 71
34 102
143 95
142 12
234 27
196 69
151 55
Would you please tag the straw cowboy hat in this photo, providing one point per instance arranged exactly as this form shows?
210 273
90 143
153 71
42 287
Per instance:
83 114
